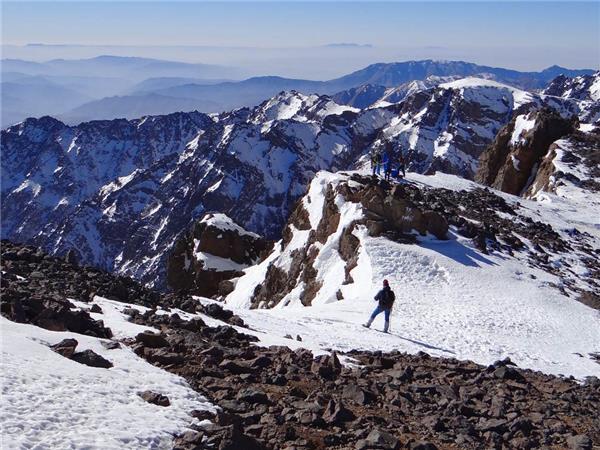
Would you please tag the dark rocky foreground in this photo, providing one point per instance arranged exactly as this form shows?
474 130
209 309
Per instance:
276 398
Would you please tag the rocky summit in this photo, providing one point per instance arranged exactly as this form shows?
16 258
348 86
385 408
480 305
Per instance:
273 397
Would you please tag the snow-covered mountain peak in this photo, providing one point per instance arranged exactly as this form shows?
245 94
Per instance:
292 105
585 87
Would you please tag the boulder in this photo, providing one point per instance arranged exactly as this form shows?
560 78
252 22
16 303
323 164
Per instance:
357 394
378 439
327 366
66 347
253 396
336 413
150 339
92 359
155 398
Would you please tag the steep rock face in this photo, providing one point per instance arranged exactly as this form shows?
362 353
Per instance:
214 251
571 163
512 160
118 193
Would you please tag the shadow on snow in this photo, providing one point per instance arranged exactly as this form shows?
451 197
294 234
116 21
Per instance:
460 253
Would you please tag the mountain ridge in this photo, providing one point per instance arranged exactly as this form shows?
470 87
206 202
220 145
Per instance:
223 96
89 186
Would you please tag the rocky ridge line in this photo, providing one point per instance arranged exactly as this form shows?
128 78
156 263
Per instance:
404 212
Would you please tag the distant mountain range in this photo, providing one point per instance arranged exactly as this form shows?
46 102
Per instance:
109 87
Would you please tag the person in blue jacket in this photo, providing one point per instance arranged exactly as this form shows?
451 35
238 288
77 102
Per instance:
385 298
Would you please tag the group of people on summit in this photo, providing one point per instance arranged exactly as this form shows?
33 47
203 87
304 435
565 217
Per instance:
391 164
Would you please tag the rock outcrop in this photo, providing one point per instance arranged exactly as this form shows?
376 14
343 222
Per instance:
322 243
574 160
511 162
367 202
213 252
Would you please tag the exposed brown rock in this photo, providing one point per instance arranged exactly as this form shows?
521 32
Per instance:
155 398
185 273
511 168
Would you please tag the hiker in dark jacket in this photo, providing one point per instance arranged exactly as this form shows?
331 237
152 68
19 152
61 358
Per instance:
387 166
386 298
401 165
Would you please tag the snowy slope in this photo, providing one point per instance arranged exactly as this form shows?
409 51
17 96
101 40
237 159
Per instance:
50 402
452 300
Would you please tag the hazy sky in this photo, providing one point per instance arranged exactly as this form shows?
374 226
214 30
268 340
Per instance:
522 35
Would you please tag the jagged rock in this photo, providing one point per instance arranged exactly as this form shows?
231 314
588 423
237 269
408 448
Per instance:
253 396
327 366
422 445
378 439
336 413
508 373
150 339
358 395
155 398
92 359
191 439
217 312
110 345
66 347
163 356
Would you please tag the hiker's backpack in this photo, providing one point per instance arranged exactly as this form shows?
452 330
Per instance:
388 298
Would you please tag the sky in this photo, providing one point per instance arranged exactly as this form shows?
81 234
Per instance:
274 35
